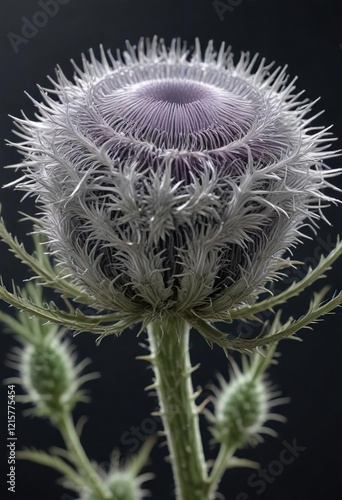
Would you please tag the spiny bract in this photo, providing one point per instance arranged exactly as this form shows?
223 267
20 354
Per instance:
172 182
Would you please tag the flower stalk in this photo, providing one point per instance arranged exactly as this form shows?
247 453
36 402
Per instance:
67 429
219 468
169 344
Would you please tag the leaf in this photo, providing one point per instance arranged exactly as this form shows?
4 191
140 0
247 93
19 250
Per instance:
41 265
140 460
235 462
210 334
276 331
43 458
271 332
295 289
102 324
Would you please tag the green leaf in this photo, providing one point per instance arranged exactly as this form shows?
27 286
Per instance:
139 461
101 324
295 289
43 458
42 266
210 334
271 332
275 331
234 462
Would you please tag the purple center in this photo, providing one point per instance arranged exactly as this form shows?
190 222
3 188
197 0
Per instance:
169 110
174 91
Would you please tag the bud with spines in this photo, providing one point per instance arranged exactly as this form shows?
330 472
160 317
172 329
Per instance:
46 364
122 486
50 377
125 483
242 405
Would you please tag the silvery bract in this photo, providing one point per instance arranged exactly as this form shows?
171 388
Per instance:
171 181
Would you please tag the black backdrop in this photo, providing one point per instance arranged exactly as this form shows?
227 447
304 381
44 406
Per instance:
305 34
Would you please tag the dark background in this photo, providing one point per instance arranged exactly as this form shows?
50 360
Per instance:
307 36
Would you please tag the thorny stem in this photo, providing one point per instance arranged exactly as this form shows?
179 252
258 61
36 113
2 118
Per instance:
169 344
71 439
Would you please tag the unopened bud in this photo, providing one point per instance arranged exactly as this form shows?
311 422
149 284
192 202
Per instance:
122 485
242 405
50 376
240 410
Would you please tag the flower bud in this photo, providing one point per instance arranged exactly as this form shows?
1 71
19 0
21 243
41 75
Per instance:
50 376
240 410
122 485
242 405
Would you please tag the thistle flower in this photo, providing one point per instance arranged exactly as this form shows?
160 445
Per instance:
170 182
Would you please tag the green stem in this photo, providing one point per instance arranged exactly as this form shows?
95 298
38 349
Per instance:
219 468
71 439
169 343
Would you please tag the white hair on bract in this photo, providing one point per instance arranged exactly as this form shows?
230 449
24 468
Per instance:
170 181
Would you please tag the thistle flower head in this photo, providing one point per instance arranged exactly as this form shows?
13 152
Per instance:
170 181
